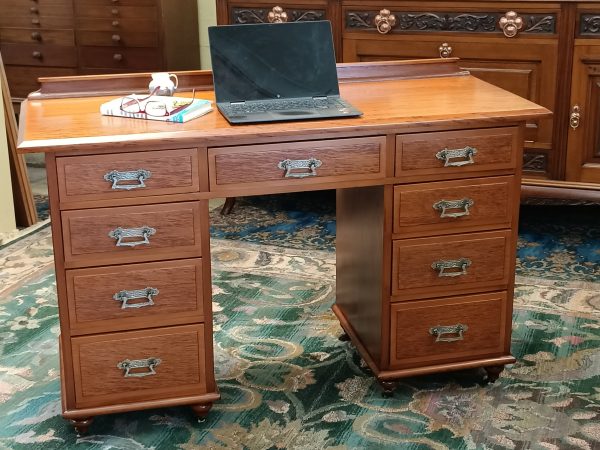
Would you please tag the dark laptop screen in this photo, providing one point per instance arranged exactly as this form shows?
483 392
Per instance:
267 61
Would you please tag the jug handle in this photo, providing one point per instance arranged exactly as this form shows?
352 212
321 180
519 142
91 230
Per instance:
176 80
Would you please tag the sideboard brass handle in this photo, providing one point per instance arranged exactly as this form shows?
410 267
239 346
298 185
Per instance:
451 267
444 205
277 15
446 155
445 50
456 330
125 233
124 296
129 364
291 164
575 117
511 23
384 21
140 175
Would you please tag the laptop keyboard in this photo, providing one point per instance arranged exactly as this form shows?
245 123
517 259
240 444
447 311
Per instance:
283 105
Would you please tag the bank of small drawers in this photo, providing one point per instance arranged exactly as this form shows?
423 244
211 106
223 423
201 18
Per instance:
453 245
135 275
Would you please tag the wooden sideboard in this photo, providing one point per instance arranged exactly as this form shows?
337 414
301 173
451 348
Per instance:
45 38
547 52
427 214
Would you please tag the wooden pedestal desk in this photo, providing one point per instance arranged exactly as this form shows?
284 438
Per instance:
427 204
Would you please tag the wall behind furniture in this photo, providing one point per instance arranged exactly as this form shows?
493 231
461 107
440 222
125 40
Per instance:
7 209
207 16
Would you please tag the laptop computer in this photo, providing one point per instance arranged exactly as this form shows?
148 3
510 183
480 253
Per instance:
276 72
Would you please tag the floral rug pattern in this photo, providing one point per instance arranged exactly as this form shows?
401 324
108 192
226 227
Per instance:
286 380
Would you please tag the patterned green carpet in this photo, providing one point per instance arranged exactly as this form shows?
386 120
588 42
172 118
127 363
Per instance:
287 382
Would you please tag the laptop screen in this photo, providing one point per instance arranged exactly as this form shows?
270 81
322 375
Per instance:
269 61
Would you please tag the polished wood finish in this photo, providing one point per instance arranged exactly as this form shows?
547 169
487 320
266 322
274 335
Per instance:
93 308
68 37
371 253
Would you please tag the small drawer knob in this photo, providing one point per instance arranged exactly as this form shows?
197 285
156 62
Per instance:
35 21
114 11
116 38
445 50
37 55
277 15
384 21
115 23
34 10
118 57
36 36
510 24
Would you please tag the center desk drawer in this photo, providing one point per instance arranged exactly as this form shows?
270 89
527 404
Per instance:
95 237
137 174
134 296
296 163
139 365
453 264
457 153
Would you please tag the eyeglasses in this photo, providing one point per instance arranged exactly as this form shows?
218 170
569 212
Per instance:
157 107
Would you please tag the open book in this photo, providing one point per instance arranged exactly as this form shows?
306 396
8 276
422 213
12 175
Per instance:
156 107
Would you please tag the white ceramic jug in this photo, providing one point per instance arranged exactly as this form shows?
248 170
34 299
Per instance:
162 81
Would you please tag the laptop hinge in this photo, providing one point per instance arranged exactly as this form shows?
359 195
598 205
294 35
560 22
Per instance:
320 97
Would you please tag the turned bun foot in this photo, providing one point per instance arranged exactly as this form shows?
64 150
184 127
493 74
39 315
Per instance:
201 411
344 337
493 372
388 388
81 425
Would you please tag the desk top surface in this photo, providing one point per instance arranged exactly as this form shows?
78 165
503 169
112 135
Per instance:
389 106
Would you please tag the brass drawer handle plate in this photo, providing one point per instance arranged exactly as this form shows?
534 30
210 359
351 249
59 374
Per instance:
125 233
128 365
384 21
575 117
455 330
510 24
451 268
140 175
292 164
125 296
445 50
277 15
446 155
444 205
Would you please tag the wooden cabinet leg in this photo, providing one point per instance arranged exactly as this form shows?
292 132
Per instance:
228 206
81 425
493 372
388 387
201 410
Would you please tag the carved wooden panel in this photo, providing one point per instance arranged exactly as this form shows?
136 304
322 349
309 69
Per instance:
589 25
535 162
260 15
487 22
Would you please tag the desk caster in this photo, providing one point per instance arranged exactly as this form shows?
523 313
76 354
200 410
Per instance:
201 411
82 425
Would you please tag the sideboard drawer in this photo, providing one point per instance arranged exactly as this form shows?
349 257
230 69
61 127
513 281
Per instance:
451 206
118 298
456 153
443 265
450 329
170 362
128 174
297 163
133 234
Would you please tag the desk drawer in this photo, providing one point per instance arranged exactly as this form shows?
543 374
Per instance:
118 298
452 206
133 234
170 363
456 153
443 265
309 163
121 175
446 330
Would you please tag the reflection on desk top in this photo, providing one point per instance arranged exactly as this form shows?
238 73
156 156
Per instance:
389 106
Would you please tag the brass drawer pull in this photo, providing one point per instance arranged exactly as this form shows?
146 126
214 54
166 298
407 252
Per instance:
445 50
384 21
290 164
125 296
510 24
114 176
446 155
440 331
124 233
128 365
451 268
575 117
277 15
444 205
